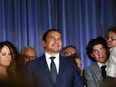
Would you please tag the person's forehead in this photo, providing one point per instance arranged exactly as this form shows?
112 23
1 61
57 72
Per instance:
111 33
5 48
29 51
97 46
70 49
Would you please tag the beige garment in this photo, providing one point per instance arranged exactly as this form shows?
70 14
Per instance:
111 68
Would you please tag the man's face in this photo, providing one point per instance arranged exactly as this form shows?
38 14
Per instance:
53 43
99 53
29 54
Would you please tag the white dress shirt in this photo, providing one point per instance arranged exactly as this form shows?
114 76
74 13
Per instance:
100 65
56 61
111 70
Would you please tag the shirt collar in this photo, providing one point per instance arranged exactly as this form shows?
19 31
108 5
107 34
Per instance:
101 64
48 55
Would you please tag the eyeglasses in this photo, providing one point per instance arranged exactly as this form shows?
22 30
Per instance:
110 38
67 53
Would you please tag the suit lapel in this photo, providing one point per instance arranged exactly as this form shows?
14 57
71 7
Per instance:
45 68
97 71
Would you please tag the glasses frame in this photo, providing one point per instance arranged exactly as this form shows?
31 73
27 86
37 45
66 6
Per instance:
110 39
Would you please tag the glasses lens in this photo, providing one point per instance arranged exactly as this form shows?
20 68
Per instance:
110 39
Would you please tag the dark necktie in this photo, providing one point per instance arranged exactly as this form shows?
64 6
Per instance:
53 69
103 71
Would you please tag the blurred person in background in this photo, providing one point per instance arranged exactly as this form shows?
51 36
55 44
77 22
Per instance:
78 61
28 53
69 50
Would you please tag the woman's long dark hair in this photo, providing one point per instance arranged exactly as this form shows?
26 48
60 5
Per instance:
12 66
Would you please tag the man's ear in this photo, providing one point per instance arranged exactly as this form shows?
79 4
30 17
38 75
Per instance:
91 55
43 43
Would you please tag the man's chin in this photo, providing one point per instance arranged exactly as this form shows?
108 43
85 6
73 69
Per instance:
56 51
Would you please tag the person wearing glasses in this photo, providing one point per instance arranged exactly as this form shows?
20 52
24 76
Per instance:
28 53
69 50
111 42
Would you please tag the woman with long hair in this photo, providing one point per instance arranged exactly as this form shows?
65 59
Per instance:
7 63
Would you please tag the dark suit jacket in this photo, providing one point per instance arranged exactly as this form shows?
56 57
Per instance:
38 74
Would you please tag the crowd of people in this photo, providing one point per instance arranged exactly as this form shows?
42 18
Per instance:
59 67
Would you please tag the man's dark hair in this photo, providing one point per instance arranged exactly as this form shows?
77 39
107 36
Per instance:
92 43
46 33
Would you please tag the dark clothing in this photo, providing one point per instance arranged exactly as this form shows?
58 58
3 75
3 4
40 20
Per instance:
38 74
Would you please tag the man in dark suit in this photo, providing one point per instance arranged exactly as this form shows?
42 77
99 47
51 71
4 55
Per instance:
97 52
65 72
